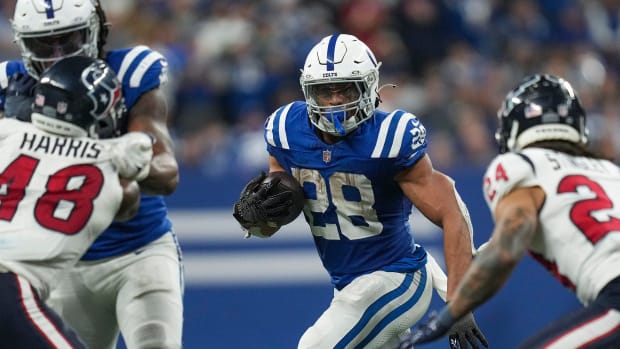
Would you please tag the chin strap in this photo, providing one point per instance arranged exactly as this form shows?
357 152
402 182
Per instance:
336 117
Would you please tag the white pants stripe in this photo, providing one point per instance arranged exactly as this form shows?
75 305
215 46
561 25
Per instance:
588 332
45 326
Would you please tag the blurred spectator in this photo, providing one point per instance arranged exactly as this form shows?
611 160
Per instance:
428 28
232 62
8 49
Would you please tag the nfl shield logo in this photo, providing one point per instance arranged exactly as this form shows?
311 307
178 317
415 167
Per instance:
327 156
39 100
61 107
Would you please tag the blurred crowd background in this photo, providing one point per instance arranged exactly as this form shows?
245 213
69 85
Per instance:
233 62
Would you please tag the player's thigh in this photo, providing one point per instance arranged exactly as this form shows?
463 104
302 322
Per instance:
149 305
371 311
85 298
593 327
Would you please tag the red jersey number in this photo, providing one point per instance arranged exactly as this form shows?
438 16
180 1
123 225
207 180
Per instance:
13 183
582 211
67 203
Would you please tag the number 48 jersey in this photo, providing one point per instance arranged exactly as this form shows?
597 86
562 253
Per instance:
57 195
580 218
357 212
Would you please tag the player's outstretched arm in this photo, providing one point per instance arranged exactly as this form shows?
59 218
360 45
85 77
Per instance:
517 218
149 114
434 194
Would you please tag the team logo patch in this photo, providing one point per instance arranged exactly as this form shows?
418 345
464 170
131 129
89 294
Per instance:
533 110
327 156
39 100
563 110
61 107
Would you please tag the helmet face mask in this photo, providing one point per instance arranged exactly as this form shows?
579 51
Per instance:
340 64
47 31
79 96
335 119
542 108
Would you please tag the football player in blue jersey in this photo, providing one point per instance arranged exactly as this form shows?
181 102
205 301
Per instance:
131 277
361 169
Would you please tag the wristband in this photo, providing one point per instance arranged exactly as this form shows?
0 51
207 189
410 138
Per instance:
445 318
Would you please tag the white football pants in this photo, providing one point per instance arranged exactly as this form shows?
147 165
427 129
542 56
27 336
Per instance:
372 311
139 292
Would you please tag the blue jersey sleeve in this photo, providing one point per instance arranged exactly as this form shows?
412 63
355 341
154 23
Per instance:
402 137
139 69
280 132
414 141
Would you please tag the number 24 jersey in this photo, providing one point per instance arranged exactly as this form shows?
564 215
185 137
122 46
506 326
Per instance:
580 218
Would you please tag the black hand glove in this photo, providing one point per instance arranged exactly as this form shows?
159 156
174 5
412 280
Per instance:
19 96
466 331
257 206
460 332
436 327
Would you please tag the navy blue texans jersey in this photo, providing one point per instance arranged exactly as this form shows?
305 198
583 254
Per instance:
357 212
140 70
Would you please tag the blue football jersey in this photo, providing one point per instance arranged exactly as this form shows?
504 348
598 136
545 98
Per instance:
140 70
357 213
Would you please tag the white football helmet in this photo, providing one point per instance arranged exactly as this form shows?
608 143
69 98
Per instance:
341 58
48 30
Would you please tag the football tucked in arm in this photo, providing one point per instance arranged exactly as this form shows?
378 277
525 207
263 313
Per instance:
269 202
286 182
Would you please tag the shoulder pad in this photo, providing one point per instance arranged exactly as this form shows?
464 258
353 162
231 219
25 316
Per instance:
139 69
402 136
276 133
505 173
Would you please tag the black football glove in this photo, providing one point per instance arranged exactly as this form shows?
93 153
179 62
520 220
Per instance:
466 331
460 332
257 206
19 96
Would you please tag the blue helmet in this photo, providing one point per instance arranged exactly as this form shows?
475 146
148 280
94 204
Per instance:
78 96
542 107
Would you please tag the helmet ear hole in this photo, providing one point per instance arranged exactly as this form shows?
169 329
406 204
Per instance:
542 107
106 128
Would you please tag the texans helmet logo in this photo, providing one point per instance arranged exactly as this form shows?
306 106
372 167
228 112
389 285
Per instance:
108 92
